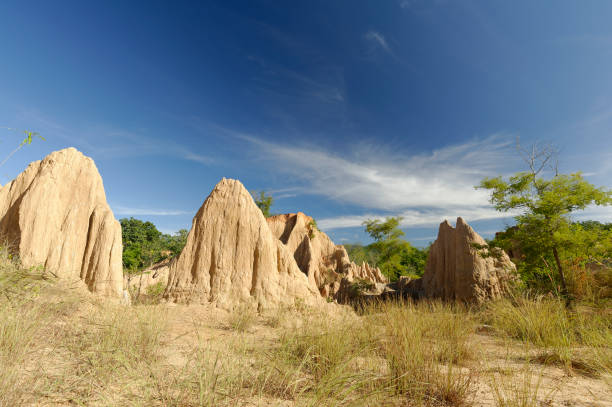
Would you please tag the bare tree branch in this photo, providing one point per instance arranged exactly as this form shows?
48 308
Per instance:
539 157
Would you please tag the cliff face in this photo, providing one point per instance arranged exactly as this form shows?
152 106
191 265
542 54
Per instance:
232 257
55 215
456 270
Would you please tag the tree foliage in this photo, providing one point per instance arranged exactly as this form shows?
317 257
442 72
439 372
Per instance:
144 245
264 202
544 233
393 255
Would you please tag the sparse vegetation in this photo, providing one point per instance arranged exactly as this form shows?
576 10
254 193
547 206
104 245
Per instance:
522 390
360 286
312 228
423 351
575 340
393 255
264 202
29 137
242 318
58 343
152 295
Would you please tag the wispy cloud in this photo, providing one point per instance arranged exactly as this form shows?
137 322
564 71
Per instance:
124 210
597 118
325 86
416 218
378 39
406 3
601 213
424 188
197 158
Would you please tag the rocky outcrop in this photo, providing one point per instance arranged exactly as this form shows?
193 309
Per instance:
55 215
325 263
156 274
232 257
457 269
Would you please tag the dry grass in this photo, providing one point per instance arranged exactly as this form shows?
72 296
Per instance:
21 320
521 390
579 340
242 317
64 346
328 360
423 345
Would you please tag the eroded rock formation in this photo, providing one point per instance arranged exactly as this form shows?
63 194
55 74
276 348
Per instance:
324 262
457 270
232 257
55 215
157 273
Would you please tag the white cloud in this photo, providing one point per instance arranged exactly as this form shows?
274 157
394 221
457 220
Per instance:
600 213
123 210
386 181
197 158
415 218
424 188
378 39
326 85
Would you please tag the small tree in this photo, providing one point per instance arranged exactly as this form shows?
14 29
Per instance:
544 206
142 244
263 202
384 231
392 254
29 137
178 241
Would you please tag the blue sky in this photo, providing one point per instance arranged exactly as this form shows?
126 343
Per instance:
344 110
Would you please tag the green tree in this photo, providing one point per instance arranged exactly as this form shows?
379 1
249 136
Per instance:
393 255
141 243
144 245
177 241
384 231
264 202
543 205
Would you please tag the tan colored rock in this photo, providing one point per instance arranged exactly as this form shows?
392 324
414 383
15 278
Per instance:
157 273
324 262
456 270
231 257
55 215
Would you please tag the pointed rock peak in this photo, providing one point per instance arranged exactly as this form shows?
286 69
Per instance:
446 224
57 215
232 257
455 270
229 188
463 225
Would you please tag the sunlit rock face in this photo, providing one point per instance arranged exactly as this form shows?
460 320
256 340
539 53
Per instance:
55 215
457 270
324 262
232 257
